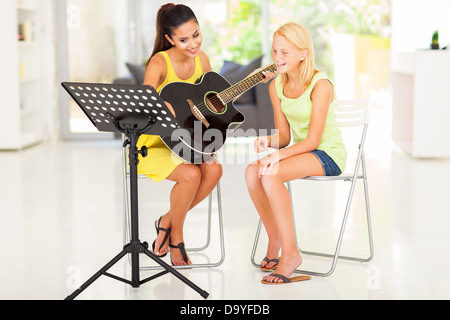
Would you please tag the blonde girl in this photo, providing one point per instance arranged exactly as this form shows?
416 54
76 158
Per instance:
303 103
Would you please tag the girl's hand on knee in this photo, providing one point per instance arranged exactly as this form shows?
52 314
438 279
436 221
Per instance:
268 164
261 144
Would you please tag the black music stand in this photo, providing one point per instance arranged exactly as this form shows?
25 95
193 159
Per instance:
132 110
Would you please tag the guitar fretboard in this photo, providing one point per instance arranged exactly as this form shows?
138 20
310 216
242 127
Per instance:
241 87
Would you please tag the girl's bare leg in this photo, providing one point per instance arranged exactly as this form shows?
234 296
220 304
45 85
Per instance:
262 205
280 203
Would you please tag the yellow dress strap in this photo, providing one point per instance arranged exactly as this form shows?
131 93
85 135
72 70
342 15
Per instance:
172 76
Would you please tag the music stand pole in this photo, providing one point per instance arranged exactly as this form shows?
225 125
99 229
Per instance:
133 128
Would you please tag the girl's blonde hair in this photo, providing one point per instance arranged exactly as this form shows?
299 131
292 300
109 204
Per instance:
300 37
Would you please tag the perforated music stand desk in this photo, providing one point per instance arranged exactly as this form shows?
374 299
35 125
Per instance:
132 110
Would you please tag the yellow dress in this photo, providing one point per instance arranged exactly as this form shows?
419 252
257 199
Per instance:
161 162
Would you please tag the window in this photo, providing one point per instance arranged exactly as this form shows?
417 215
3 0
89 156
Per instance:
102 35
93 43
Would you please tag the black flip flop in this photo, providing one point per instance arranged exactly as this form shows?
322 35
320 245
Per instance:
265 268
182 249
166 236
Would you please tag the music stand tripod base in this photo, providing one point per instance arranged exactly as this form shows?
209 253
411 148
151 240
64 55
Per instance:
132 110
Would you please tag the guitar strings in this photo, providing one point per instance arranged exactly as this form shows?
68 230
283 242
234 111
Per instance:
227 94
230 92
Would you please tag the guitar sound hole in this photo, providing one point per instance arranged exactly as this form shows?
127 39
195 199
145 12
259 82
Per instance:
215 103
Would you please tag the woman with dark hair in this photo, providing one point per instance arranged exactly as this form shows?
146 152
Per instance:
176 57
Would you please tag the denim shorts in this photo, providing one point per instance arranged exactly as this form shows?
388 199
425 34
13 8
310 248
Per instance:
329 166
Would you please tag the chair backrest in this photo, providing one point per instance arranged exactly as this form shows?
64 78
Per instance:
353 118
352 112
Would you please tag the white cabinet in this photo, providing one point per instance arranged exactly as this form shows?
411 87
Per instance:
21 79
421 102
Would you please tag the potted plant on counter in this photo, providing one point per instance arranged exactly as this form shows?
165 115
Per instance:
435 40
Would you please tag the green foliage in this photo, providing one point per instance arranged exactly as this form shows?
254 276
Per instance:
239 37
245 19
435 39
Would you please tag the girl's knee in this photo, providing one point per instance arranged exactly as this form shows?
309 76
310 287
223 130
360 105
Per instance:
269 182
251 174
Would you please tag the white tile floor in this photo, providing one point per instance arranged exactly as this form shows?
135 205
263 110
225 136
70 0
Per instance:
61 221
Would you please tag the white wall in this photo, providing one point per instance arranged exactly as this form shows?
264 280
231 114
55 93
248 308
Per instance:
414 22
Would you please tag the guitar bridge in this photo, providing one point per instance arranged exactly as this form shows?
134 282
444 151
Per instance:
197 114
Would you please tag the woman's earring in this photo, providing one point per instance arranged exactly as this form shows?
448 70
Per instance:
170 40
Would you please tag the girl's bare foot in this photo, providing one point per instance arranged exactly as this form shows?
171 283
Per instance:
288 263
272 255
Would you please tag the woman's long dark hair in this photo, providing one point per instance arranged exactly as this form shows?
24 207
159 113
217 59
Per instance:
170 16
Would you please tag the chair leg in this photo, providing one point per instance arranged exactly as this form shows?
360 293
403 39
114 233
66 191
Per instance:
221 233
255 245
336 255
368 216
258 232
208 234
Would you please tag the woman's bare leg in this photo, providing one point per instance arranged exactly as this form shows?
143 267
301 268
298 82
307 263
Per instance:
211 173
187 178
194 184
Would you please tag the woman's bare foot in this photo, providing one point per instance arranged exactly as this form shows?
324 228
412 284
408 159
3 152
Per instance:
288 263
178 255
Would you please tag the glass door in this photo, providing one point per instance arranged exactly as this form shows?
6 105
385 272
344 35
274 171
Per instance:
93 46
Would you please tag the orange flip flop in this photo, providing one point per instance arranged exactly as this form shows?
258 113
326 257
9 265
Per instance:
286 280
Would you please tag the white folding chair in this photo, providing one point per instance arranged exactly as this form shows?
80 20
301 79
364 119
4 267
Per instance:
352 113
127 226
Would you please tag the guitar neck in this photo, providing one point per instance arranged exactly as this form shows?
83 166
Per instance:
243 86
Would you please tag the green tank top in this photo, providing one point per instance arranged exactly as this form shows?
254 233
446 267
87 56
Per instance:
298 113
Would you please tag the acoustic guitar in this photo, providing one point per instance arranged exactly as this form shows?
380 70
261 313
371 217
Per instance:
206 113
